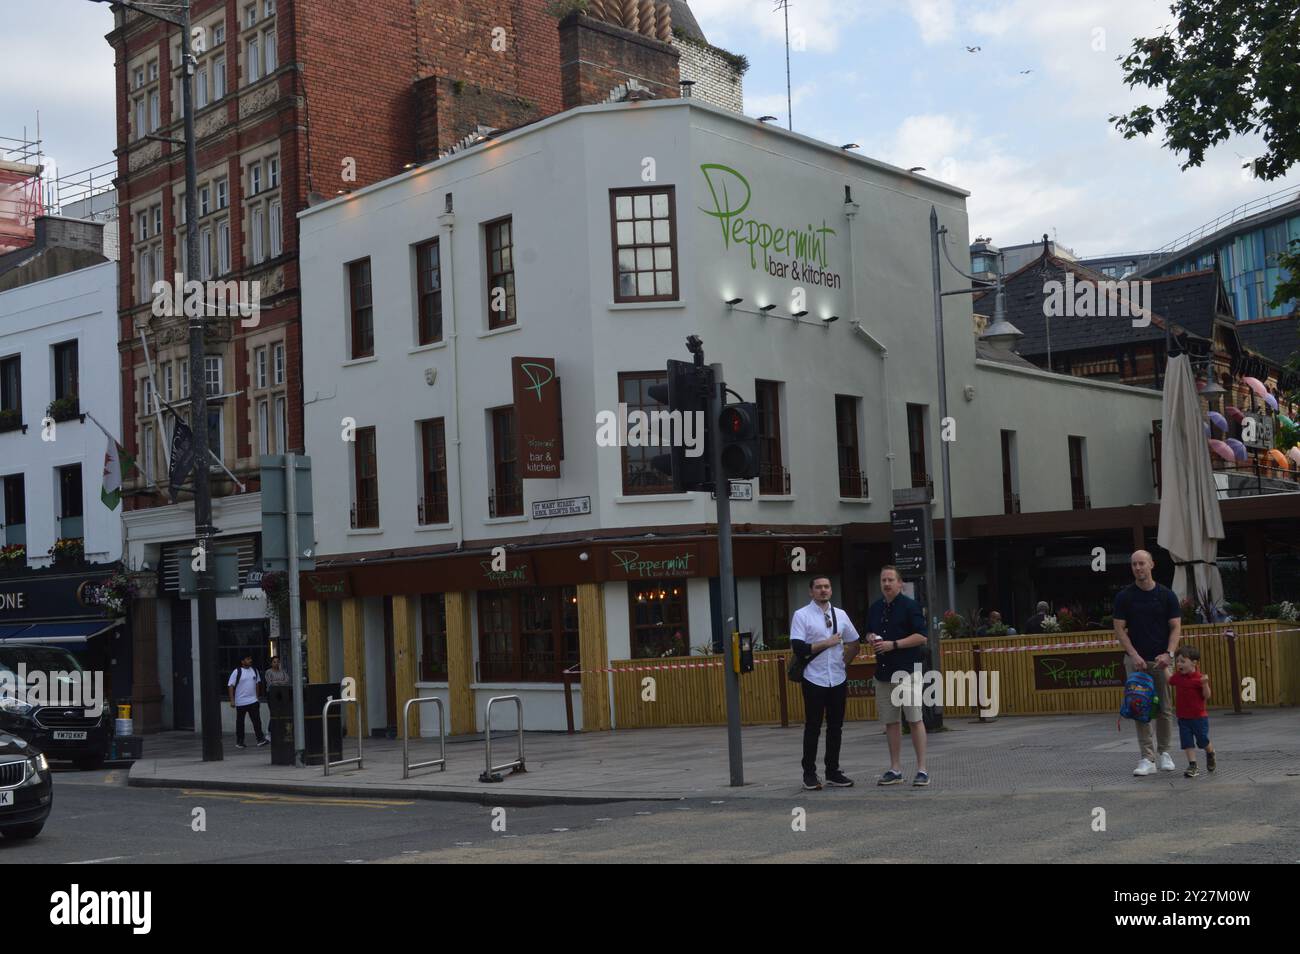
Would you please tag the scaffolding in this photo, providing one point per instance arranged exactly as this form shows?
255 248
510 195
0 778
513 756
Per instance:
20 192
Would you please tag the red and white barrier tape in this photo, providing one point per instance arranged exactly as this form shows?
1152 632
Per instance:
1105 642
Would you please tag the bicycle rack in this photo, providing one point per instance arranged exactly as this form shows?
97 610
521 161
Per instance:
516 765
325 736
406 737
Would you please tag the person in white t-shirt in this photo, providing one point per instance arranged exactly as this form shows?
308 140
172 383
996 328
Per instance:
243 685
825 639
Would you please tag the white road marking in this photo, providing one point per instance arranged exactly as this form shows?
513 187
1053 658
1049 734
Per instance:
95 861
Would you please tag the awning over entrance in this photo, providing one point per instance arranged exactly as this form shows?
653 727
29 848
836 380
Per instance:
56 633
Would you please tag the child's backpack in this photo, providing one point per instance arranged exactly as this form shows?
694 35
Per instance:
1140 697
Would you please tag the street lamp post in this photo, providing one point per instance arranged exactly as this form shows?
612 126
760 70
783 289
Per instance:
205 594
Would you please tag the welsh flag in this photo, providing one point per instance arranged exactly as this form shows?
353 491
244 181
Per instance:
117 464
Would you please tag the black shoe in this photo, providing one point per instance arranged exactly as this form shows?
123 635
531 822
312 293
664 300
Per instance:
1209 761
838 779
811 782
1192 771
240 745
262 742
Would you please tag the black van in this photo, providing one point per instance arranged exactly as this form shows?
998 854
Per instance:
59 731
26 788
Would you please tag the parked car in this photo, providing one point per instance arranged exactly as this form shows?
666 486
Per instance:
59 731
26 788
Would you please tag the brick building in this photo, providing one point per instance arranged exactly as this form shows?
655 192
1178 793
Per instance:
297 101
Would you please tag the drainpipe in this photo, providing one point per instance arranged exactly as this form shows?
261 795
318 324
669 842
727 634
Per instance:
851 210
447 220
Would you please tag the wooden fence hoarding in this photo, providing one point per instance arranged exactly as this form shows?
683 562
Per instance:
688 692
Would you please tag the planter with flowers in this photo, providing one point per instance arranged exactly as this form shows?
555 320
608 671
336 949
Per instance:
10 419
68 551
64 408
1050 624
13 557
111 595
275 585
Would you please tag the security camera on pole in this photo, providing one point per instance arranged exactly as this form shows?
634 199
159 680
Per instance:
731 453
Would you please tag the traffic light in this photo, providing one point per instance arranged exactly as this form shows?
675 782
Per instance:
738 431
687 392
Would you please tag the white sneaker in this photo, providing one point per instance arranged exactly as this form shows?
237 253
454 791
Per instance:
1166 763
1145 767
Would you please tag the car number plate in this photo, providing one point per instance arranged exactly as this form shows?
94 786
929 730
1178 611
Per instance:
71 736
6 798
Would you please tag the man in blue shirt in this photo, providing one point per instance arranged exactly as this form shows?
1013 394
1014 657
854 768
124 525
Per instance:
897 630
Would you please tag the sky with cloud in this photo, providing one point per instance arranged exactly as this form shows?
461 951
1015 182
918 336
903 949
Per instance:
1034 148
1021 122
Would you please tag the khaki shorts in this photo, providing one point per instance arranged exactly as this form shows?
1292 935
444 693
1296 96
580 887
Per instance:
889 714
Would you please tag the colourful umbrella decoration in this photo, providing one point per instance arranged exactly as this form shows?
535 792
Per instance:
1279 459
1271 401
1294 455
1234 413
1223 450
1238 449
1286 420
1256 385
1218 420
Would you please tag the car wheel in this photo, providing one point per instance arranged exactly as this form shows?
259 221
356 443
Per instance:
23 831
90 762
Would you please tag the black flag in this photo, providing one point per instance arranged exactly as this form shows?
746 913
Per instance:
182 457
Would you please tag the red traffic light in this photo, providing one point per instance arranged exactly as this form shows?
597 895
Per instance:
738 422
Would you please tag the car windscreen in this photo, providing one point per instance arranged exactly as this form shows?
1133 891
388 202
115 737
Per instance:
42 658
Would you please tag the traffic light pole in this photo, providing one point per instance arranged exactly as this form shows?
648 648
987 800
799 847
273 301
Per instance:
726 577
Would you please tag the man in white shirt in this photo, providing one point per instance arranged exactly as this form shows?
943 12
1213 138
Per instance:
824 637
243 685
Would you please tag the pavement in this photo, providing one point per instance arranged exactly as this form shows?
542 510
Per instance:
1022 755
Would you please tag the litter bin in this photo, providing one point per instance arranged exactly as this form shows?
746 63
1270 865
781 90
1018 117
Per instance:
314 696
280 699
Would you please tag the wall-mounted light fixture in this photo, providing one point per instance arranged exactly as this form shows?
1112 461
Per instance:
733 302
827 321
800 314
766 308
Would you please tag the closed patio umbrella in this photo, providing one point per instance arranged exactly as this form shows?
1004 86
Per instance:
1190 524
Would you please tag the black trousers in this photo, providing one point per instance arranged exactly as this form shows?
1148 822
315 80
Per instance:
253 709
818 701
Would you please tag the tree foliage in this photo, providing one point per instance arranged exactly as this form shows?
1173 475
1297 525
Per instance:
1229 67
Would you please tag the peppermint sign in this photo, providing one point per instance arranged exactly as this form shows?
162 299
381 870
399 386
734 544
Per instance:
806 247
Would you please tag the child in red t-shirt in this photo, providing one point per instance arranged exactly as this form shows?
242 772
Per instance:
1193 722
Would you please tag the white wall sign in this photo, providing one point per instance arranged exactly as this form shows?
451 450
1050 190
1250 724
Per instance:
565 507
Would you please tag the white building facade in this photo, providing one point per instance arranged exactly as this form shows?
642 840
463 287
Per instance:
599 239
58 341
